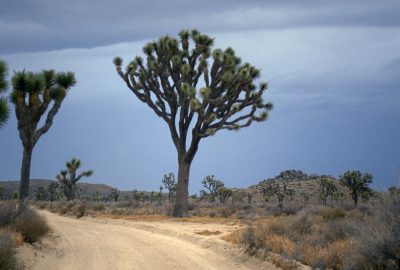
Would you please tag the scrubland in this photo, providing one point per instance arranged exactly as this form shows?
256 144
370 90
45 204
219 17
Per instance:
335 236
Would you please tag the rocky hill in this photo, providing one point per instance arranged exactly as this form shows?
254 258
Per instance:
303 184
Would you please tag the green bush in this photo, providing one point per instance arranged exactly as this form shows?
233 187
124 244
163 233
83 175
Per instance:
31 225
7 253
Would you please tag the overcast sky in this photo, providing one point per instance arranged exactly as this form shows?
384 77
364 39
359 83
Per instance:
333 68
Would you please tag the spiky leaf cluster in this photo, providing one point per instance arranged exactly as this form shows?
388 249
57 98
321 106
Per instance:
32 95
184 79
4 111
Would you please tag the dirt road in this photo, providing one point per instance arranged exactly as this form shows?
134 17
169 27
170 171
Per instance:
93 243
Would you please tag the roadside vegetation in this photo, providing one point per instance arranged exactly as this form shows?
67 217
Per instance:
17 227
323 229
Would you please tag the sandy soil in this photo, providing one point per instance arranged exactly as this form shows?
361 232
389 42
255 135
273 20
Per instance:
100 243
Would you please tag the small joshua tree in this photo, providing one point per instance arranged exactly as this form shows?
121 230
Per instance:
41 194
32 95
4 112
279 189
213 186
160 196
358 184
224 194
238 195
170 184
338 195
190 86
327 188
249 196
204 195
268 190
68 178
114 195
137 196
52 191
96 196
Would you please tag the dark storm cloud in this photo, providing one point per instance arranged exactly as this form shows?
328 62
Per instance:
27 25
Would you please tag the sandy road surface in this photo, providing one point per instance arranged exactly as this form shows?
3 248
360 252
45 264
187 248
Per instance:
92 243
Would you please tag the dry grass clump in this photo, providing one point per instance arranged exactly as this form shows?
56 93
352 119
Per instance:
31 225
79 209
75 208
7 252
26 223
8 213
15 228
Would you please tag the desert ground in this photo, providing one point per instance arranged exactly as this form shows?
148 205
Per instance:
102 243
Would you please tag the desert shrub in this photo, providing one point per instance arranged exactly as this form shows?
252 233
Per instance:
8 212
79 210
379 245
245 214
329 213
288 210
62 207
98 207
226 211
117 212
248 239
31 225
246 207
7 253
276 226
168 209
302 223
42 205
212 214
124 204
336 230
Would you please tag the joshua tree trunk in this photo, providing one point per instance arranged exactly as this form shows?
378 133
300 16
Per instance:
355 199
324 201
182 188
25 175
69 192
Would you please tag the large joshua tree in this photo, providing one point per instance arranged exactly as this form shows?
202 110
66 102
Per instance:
191 87
34 95
68 178
3 87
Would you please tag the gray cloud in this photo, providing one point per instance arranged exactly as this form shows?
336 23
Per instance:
41 25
